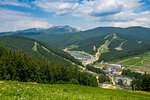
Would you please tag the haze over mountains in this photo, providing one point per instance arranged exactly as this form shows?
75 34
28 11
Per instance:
51 30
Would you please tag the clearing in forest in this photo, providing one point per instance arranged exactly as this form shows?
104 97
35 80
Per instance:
120 46
34 48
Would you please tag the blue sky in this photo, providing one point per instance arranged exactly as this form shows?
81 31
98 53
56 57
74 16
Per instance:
83 14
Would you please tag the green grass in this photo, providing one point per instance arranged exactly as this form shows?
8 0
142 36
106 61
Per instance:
72 46
12 90
120 46
134 61
105 47
82 53
34 48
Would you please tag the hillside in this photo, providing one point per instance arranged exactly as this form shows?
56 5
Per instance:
112 42
137 63
100 41
109 47
21 90
37 31
37 49
64 40
22 67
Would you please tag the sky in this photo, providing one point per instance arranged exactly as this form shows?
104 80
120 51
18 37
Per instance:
82 14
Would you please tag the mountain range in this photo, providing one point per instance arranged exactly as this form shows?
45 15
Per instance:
37 31
126 39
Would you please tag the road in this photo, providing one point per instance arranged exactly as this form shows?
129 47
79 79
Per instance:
99 51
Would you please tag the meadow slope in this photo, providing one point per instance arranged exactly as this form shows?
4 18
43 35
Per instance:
20 90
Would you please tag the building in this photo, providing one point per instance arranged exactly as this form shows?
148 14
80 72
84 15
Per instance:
112 69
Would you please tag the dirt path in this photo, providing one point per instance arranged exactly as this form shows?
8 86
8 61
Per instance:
120 46
100 50
144 60
105 46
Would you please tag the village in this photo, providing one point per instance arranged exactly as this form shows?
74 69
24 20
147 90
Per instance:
114 72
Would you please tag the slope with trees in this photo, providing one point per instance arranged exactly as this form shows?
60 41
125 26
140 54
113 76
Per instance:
26 45
21 67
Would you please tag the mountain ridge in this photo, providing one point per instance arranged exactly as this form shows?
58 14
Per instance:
51 30
41 51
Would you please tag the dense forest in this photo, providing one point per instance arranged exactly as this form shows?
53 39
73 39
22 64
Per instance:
21 67
129 73
61 53
102 75
129 42
103 78
142 83
64 40
88 44
122 54
25 45
96 70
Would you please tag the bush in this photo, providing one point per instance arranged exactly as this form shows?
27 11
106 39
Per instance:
74 81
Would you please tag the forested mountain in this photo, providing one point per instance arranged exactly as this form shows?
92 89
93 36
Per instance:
114 55
112 46
21 67
113 42
63 40
37 31
128 40
38 49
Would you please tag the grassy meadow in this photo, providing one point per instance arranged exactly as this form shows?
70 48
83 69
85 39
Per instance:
133 62
13 90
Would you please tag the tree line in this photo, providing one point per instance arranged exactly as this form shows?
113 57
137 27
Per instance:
102 75
96 70
103 78
142 83
113 55
21 67
129 73
25 45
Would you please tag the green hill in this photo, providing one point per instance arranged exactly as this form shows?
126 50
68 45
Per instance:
38 49
116 42
112 46
63 40
20 90
139 62
21 67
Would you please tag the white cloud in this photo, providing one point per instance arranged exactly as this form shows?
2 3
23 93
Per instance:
95 8
14 3
122 13
14 20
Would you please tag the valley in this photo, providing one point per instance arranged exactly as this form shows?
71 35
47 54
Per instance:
74 50
104 48
102 58
135 63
